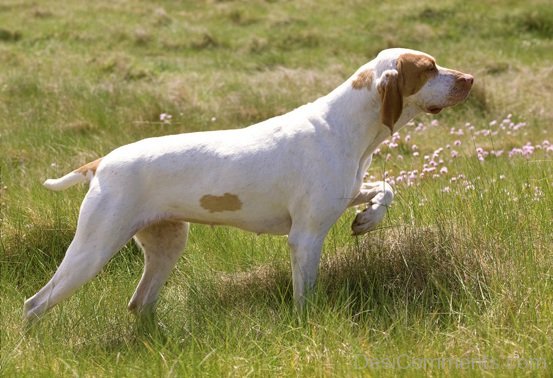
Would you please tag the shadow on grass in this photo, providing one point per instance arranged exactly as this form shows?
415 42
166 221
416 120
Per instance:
428 270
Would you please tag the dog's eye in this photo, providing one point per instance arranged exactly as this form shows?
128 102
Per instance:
431 70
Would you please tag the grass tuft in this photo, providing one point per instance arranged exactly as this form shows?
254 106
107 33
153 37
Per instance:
538 22
9 35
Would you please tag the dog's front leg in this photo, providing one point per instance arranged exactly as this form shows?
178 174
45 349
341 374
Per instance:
305 253
378 195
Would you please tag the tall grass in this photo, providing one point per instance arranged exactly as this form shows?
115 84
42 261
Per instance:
457 279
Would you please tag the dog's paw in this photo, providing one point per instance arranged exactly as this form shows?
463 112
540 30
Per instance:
368 219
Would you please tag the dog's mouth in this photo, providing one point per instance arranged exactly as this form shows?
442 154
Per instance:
434 109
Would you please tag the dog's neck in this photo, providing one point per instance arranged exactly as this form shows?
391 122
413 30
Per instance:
355 115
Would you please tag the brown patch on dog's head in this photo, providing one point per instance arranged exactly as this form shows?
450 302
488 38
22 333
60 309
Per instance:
226 202
412 72
92 167
363 80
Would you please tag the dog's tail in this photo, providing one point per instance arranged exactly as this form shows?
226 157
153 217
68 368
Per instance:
79 175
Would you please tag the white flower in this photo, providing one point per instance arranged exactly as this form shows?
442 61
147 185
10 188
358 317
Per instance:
165 118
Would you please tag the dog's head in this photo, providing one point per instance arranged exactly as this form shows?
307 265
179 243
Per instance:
412 79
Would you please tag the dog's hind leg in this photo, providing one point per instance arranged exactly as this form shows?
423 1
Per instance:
102 230
162 244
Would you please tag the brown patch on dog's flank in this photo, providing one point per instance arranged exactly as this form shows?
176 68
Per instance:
363 80
92 166
226 202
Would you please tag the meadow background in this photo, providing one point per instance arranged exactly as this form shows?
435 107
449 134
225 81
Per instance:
458 280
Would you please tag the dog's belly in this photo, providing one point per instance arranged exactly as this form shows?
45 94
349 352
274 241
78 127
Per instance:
259 208
275 223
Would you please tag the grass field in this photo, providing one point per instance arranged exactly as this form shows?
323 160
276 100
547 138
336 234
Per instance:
457 281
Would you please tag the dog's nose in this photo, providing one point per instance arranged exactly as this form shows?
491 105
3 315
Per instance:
469 79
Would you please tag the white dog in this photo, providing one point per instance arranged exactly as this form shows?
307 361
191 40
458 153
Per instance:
293 174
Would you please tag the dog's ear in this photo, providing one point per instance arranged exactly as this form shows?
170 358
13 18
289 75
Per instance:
414 71
391 98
